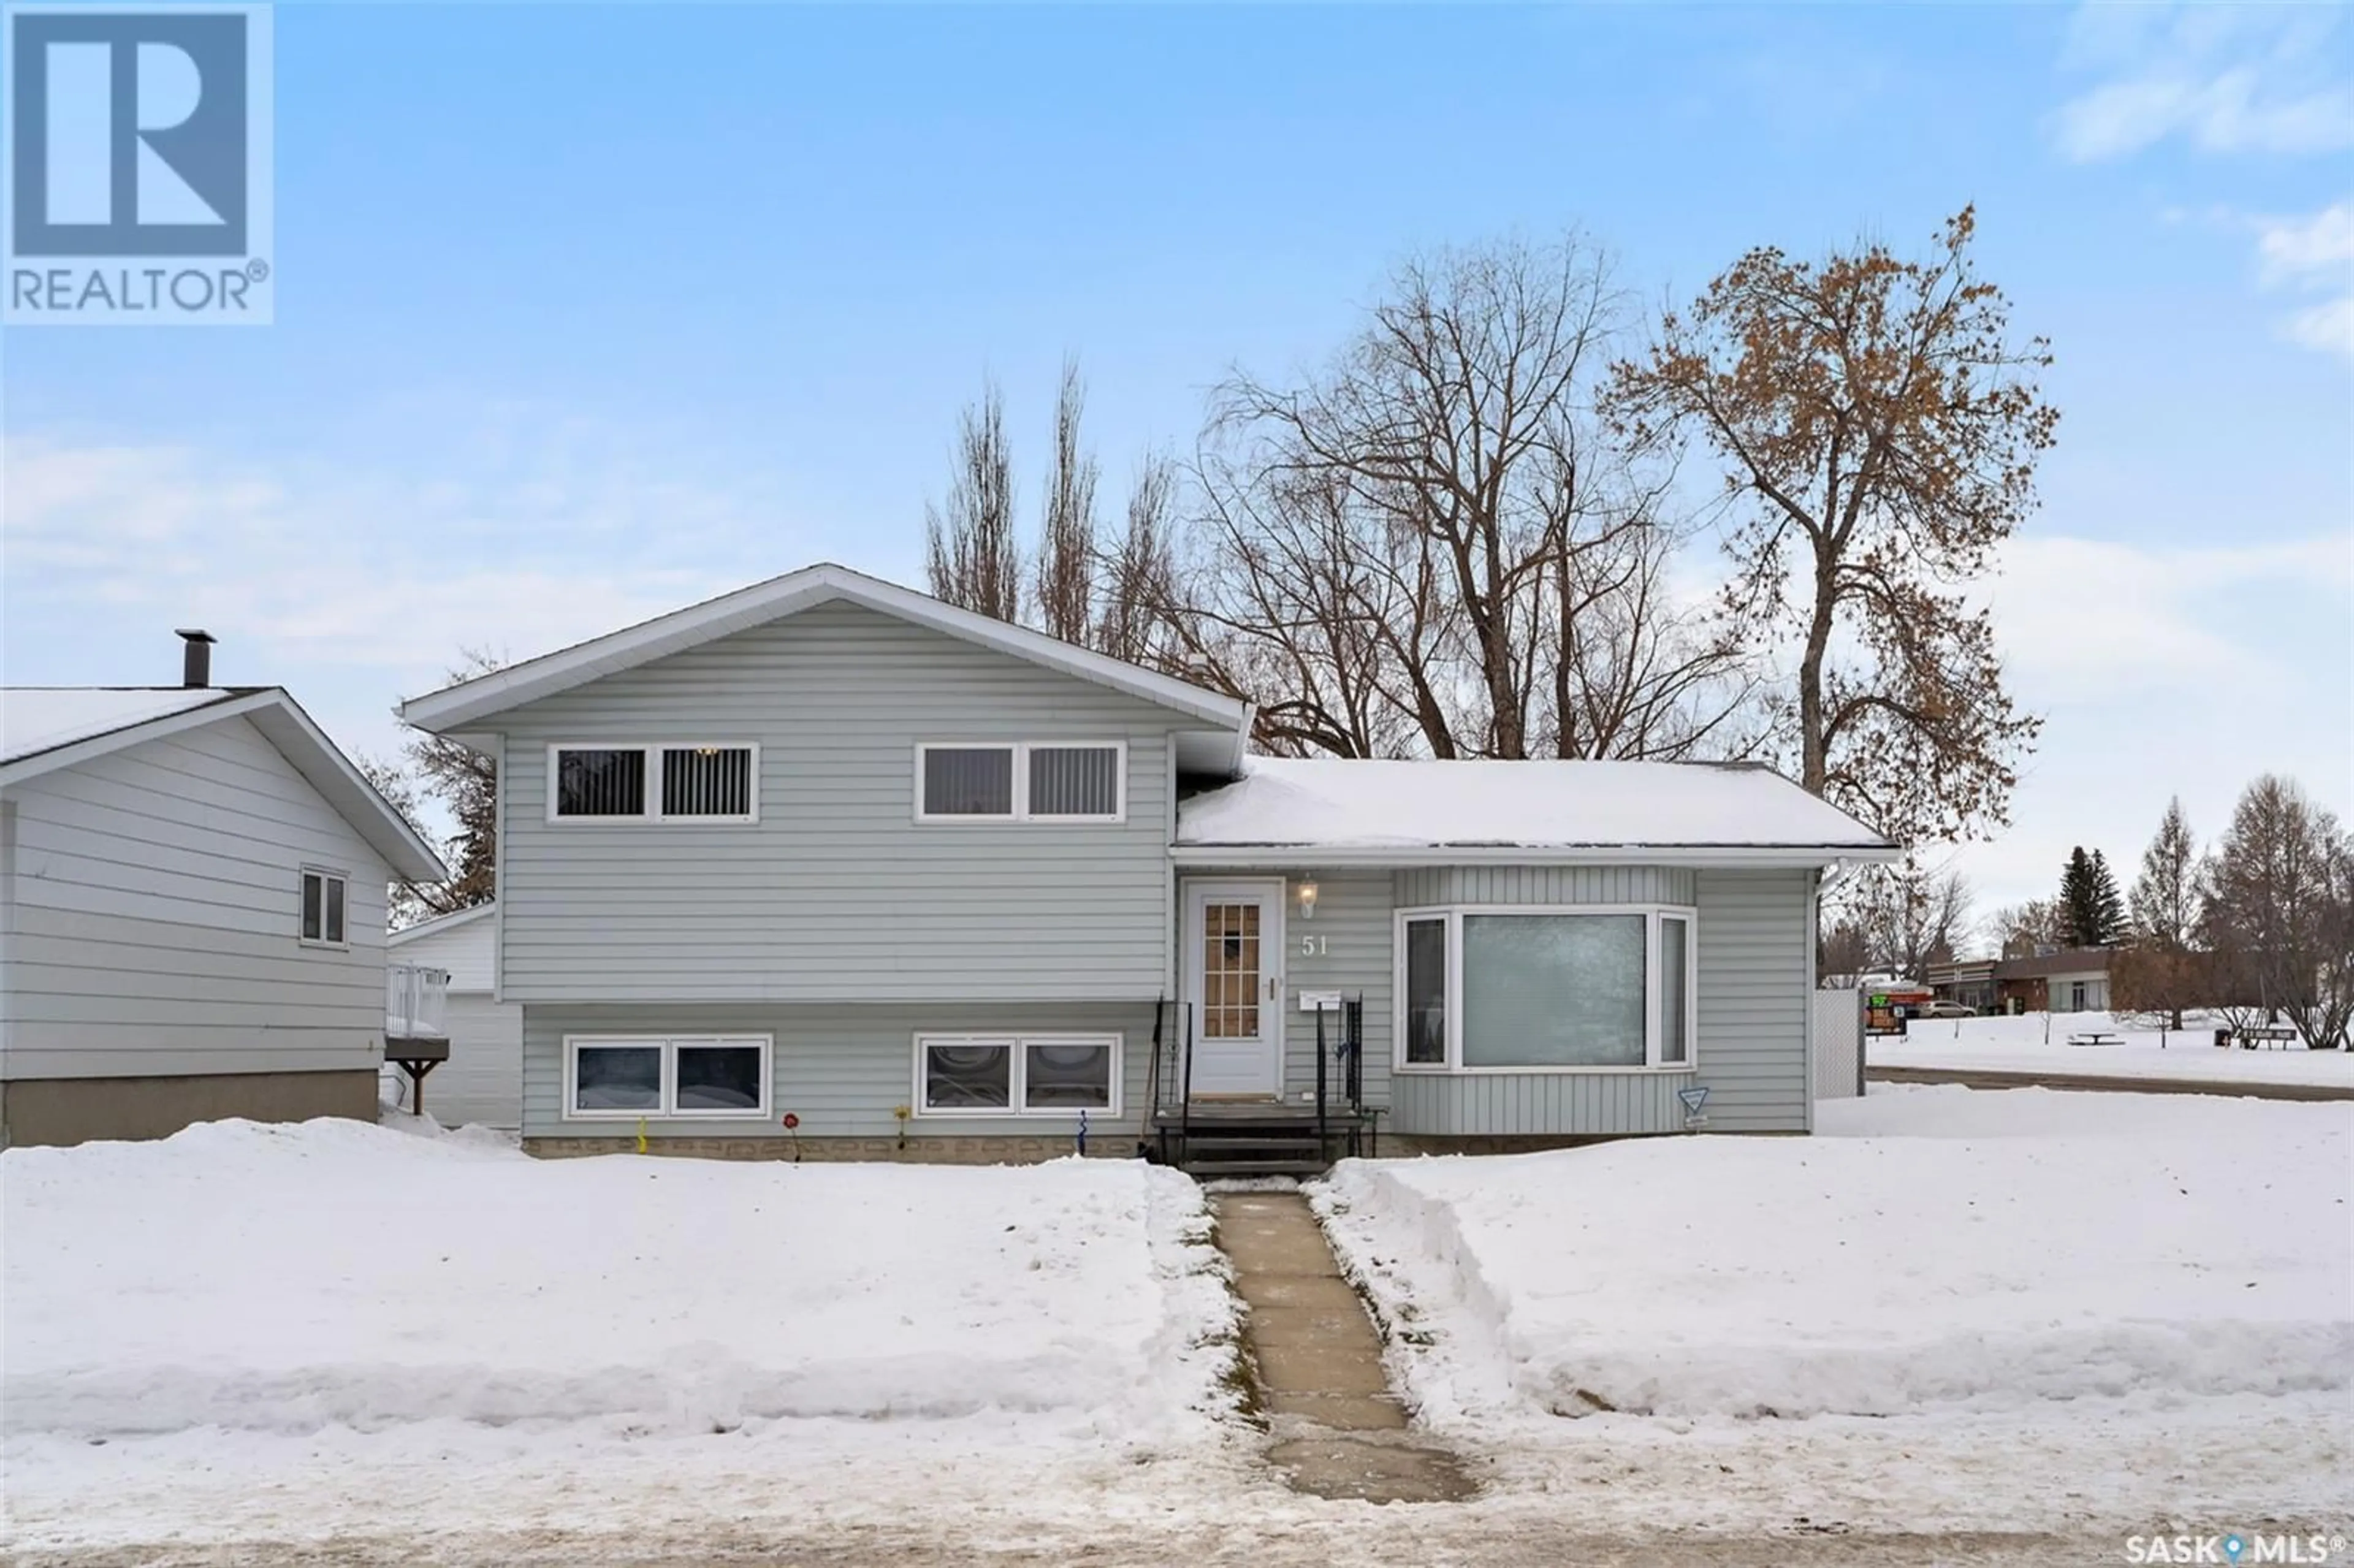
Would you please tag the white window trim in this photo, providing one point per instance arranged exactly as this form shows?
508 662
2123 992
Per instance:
654 812
1021 812
327 873
1017 1069
1454 1066
669 1045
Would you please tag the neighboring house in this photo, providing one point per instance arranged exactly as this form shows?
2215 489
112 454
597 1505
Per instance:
923 880
2063 979
1968 981
483 1080
192 902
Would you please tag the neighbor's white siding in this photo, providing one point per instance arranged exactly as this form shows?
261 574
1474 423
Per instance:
152 905
836 894
483 1080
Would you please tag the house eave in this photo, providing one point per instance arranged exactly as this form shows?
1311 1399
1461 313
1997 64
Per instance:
1384 856
470 702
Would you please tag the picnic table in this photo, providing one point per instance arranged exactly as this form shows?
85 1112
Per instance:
2095 1038
2265 1035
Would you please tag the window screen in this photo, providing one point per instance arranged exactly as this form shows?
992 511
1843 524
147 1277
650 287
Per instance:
718 1075
314 906
600 782
969 781
334 908
1675 1000
1553 990
1425 992
1075 782
708 782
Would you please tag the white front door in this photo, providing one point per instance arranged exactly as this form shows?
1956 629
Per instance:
1233 981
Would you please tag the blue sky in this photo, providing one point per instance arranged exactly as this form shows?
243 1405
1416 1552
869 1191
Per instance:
586 312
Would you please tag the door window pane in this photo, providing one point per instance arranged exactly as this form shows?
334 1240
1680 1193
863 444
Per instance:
1074 781
1067 1077
718 1077
617 1077
1675 1029
968 1078
1425 992
969 781
1553 990
1230 970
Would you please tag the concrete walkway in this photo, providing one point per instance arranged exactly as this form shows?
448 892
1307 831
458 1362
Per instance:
1339 1431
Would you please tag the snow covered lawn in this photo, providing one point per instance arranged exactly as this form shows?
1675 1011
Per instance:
1941 1247
2037 1042
282 1278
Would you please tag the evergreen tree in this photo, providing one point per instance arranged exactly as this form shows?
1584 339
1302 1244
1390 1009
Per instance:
2108 907
2091 911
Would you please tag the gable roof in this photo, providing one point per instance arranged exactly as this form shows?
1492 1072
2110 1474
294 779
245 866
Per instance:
44 728
1343 810
470 702
455 920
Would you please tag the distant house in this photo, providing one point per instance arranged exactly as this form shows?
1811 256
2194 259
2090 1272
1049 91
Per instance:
1968 981
482 1080
826 866
2060 979
192 911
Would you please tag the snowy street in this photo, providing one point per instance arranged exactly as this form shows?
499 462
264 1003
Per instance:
1938 1333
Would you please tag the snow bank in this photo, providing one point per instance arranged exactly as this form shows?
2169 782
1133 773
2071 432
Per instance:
286 1278
1982 1251
2037 1042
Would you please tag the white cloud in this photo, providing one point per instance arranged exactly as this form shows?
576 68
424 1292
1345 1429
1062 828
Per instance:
2225 80
2296 248
356 587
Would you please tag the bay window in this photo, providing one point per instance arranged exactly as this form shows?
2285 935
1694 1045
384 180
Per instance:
1544 989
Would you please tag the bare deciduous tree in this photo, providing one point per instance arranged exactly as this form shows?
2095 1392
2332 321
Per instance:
1432 545
2162 970
2024 930
972 554
464 784
1065 590
1880 429
1909 916
2275 892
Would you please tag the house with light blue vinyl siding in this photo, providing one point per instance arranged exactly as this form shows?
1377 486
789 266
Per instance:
825 867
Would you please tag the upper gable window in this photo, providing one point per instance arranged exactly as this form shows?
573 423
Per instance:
323 907
694 783
1022 781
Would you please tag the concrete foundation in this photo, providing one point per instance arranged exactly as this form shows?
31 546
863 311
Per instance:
914 1151
59 1111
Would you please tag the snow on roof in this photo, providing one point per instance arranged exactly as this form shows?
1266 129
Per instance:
1349 804
42 718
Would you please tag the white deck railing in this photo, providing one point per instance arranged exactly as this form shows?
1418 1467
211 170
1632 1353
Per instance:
416 1000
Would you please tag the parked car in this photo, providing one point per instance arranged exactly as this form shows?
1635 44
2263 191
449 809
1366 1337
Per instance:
1944 1009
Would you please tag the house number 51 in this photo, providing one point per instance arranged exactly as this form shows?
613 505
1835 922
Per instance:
1312 948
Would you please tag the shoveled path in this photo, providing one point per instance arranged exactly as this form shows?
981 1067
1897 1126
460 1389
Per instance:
1339 1431
1997 1078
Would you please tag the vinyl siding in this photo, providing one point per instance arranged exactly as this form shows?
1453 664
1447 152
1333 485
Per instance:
836 894
483 1080
152 904
465 951
1750 1042
841 1069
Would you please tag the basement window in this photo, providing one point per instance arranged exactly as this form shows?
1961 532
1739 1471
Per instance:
1017 1075
698 782
619 1077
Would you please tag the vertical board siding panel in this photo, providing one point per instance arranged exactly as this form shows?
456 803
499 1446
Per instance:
1752 1028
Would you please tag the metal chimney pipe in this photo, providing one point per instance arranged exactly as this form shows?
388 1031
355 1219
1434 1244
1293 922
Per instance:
197 663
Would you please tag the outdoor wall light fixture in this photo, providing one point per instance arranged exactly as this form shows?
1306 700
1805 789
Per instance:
1308 901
